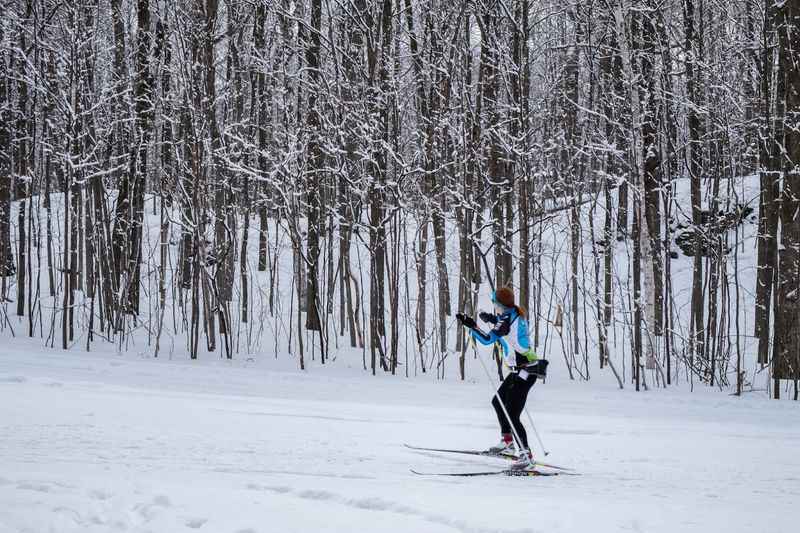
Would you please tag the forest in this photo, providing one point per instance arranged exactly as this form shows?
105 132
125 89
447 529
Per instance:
320 179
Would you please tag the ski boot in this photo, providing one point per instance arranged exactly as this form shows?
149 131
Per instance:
504 448
524 461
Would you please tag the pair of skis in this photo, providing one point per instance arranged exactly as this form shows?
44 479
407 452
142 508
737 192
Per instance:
558 470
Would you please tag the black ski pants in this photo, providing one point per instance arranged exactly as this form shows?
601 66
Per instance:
513 391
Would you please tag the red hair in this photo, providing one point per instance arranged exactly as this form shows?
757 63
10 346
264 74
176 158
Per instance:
505 297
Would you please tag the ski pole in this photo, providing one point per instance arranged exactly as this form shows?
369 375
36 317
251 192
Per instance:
536 432
502 404
505 411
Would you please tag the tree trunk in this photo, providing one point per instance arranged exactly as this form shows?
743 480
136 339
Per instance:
769 174
693 84
786 360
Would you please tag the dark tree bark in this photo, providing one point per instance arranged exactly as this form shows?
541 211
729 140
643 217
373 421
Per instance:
24 160
6 256
770 137
786 359
651 158
692 49
315 162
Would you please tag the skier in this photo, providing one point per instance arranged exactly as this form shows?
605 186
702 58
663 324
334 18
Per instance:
510 331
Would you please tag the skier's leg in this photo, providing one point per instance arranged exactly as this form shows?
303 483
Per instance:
503 392
516 404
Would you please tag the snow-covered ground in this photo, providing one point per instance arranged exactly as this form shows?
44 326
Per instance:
101 442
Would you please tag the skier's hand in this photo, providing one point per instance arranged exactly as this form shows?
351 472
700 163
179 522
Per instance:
489 318
466 321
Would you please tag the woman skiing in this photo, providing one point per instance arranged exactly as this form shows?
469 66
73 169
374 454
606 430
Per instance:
510 331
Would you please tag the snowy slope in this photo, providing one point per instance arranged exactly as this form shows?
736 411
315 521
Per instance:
100 443
113 441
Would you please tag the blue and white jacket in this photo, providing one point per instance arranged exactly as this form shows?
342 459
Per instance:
511 332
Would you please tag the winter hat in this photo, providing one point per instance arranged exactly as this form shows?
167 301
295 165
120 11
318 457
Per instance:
504 296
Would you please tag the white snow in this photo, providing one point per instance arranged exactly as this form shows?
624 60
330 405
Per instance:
101 442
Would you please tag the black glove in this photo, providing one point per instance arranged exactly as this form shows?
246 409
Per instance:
539 368
489 318
466 321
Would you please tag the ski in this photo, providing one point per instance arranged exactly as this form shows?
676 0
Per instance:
510 473
482 454
461 452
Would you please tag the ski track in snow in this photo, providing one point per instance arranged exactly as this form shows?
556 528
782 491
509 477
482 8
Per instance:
100 443
379 504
